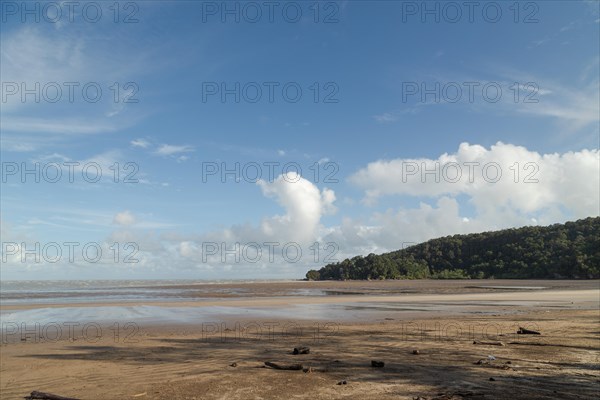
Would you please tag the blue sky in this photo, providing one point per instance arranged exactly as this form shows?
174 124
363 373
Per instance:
356 121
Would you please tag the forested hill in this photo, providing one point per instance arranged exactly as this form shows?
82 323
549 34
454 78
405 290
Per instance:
560 251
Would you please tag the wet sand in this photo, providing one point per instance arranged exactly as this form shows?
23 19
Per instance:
370 321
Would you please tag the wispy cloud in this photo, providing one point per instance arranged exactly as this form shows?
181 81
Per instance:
169 150
385 118
573 106
67 126
35 56
142 143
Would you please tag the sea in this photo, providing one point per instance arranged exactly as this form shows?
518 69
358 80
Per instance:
98 291
143 302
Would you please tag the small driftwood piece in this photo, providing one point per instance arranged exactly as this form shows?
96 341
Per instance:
523 331
530 343
450 396
35 395
290 367
494 343
377 364
301 350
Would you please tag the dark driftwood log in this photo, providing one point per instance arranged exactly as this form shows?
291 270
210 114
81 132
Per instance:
530 343
488 343
523 331
301 350
35 395
292 367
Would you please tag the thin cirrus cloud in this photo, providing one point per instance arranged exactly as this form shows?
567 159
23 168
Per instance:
67 126
573 107
165 150
34 57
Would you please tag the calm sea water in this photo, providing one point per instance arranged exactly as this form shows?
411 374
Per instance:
97 291
64 296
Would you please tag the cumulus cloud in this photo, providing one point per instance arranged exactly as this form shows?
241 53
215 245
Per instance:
503 176
124 218
304 203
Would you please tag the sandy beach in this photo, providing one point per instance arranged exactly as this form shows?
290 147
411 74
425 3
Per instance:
463 331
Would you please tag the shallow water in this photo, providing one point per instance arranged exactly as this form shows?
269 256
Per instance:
162 302
344 311
508 287
66 292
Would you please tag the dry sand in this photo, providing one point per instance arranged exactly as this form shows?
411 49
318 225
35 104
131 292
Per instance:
194 362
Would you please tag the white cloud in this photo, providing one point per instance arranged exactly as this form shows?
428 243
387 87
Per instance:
169 150
528 182
125 218
142 143
188 249
396 229
304 203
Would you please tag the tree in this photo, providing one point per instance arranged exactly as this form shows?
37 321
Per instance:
313 275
